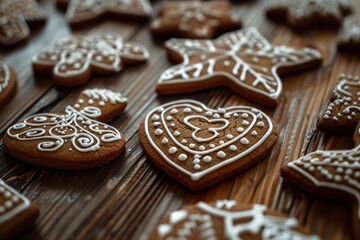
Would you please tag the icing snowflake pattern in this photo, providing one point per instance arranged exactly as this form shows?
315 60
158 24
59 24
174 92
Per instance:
244 58
257 222
4 77
82 10
14 15
53 130
73 56
338 170
206 134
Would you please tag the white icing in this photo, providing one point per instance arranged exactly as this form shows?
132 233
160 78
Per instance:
233 148
244 141
84 133
221 154
158 132
105 95
182 157
172 150
5 76
235 48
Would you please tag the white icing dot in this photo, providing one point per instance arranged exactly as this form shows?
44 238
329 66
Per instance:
254 133
8 204
201 148
245 123
176 133
244 115
197 166
196 161
187 110
260 124
155 117
7 194
169 118
164 140
229 136
158 132
244 141
221 154
183 141
102 103
76 106
192 145
172 150
209 113
155 124
212 145
216 115
182 157
174 111
91 101
240 129
233 148
207 159
221 142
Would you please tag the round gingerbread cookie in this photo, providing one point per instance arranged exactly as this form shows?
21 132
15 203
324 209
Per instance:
199 146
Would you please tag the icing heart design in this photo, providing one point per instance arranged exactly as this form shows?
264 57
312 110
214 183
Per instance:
75 140
187 139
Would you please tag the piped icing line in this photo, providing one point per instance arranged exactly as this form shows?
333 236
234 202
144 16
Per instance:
232 49
74 126
105 95
14 197
197 106
334 159
4 81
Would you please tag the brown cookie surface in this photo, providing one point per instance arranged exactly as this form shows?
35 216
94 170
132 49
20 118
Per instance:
16 211
14 18
305 14
330 174
349 40
228 219
243 60
73 60
7 82
73 140
200 147
82 11
194 19
343 112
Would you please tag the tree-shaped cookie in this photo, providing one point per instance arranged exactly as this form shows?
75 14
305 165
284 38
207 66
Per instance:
73 140
200 146
73 60
343 113
16 211
194 19
330 174
244 61
309 13
228 219
82 11
349 39
7 82
14 18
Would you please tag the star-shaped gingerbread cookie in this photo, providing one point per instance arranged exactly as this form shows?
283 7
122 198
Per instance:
194 19
199 146
81 11
309 13
229 219
330 174
343 112
73 60
244 61
14 18
7 82
349 40
72 140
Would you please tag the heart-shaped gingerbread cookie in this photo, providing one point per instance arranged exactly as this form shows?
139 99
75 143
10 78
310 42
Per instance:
73 140
199 146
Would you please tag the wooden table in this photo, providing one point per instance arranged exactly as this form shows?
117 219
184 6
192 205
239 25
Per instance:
127 198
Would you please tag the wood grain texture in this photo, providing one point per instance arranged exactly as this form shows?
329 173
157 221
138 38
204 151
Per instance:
127 198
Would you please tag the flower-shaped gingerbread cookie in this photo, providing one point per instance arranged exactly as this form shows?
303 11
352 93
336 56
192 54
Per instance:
349 40
73 140
199 146
7 82
16 211
73 60
14 16
81 11
228 219
244 61
330 174
309 13
194 19
343 113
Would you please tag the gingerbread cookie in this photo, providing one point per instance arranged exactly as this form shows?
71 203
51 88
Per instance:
227 219
7 82
81 11
343 113
349 41
194 19
244 61
73 140
330 174
74 59
14 18
306 14
199 146
16 211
